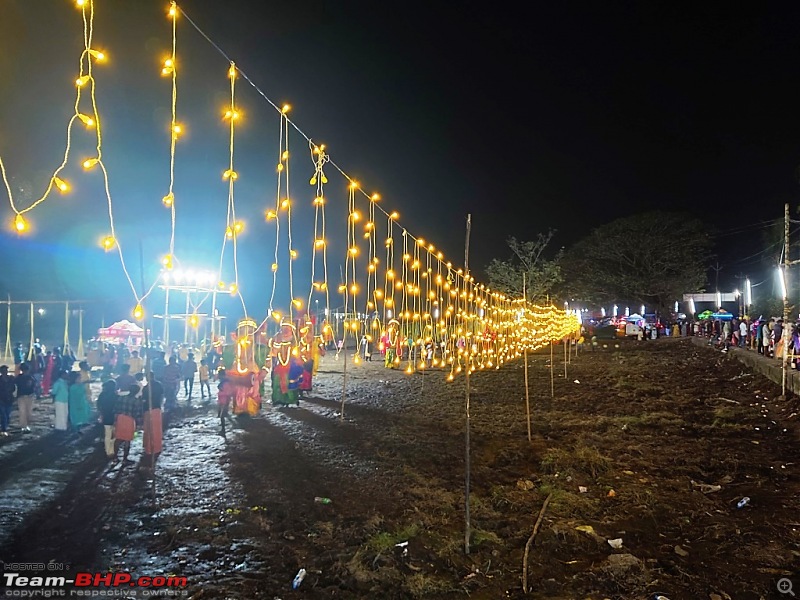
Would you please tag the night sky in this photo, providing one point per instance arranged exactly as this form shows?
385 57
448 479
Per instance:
562 115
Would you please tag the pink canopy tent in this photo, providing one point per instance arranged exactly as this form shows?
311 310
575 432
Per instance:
122 332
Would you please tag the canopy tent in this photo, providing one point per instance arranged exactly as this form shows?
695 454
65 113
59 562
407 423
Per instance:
724 315
122 332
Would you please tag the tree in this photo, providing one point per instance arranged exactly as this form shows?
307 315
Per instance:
541 274
651 258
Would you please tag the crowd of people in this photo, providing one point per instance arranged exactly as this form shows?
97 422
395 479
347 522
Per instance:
139 385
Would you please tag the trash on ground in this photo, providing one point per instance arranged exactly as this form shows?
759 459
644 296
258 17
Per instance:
681 551
615 543
298 579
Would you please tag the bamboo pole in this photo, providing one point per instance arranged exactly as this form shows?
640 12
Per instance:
80 334
33 339
344 373
525 355
552 375
66 324
566 344
7 355
466 436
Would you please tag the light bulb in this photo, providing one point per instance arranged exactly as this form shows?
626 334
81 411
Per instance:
87 120
285 203
297 303
293 253
90 162
286 108
230 174
172 10
83 80
167 262
177 129
61 184
274 267
168 200
194 321
108 242
228 232
238 226
270 214
138 312
20 224
232 72
97 55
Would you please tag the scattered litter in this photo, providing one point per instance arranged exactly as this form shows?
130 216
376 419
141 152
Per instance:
298 579
321 500
401 544
611 493
706 488
586 529
576 381
525 484
615 543
743 502
756 442
583 489
681 551
660 597
628 472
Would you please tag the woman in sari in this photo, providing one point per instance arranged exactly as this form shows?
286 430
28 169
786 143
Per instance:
128 408
49 372
80 411
60 392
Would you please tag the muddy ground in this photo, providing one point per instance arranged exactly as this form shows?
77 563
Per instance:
650 443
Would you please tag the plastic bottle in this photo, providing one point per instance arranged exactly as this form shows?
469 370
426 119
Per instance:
743 502
298 579
321 500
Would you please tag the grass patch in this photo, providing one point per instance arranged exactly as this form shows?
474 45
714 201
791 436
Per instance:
384 540
481 536
420 585
581 459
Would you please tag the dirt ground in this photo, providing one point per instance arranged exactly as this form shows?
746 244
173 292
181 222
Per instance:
650 443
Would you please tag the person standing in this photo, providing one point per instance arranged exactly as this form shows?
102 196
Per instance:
204 376
49 372
152 440
125 380
60 392
7 388
158 365
85 377
106 406
171 380
188 369
26 394
37 369
80 410
127 409
135 362
742 333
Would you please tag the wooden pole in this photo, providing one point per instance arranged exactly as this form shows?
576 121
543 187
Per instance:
80 334
33 340
552 375
66 324
7 355
466 435
566 344
525 355
344 372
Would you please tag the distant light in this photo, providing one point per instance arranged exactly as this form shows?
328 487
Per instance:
782 279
